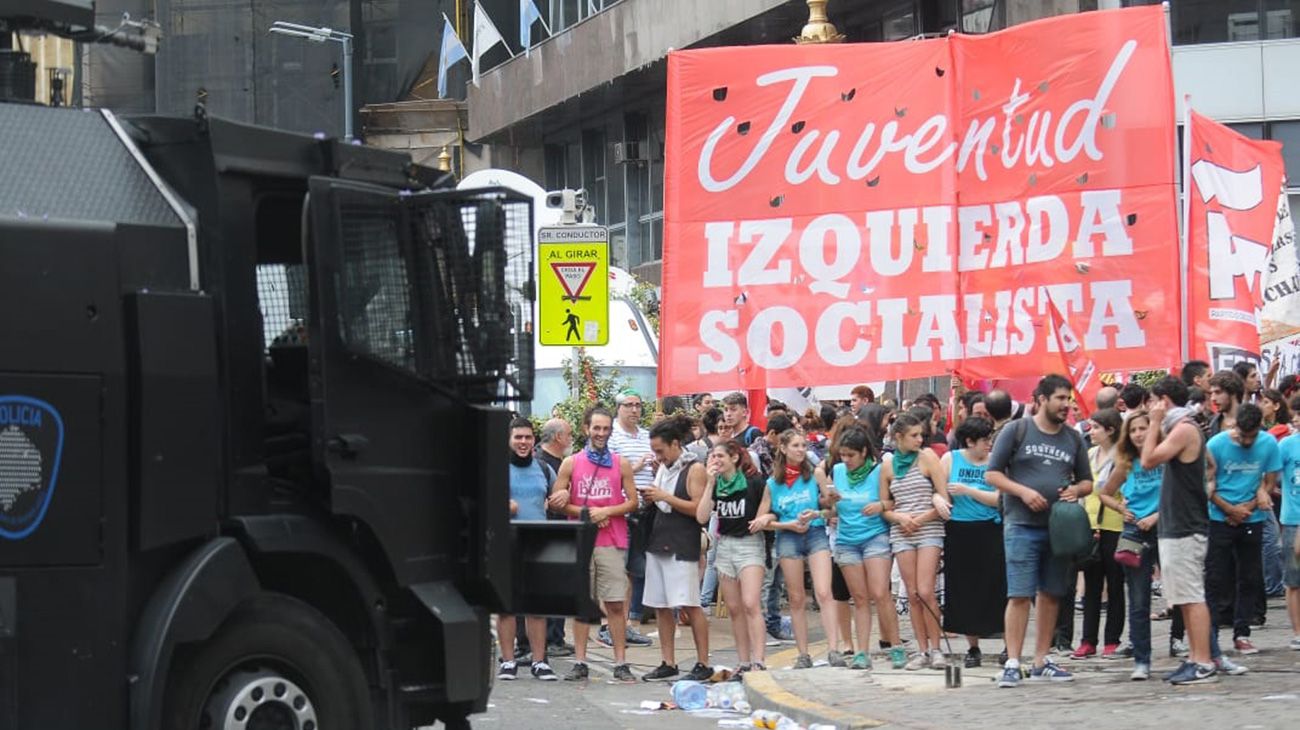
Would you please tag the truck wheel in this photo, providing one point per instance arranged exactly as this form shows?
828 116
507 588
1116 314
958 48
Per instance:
275 664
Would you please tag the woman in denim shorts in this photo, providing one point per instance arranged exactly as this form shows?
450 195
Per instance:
913 487
737 494
796 502
862 537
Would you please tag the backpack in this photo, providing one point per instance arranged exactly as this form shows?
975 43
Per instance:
750 435
1070 531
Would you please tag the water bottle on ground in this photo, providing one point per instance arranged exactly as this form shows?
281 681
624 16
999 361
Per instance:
690 695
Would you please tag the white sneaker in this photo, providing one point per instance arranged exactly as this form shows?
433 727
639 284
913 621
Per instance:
918 661
1141 672
1229 667
1295 643
937 659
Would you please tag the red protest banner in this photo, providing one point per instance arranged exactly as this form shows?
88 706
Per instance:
1232 210
876 211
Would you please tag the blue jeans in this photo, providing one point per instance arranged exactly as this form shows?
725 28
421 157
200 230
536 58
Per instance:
1139 594
710 587
772 584
1272 555
638 590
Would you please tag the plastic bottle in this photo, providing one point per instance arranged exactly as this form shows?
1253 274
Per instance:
725 695
690 695
788 724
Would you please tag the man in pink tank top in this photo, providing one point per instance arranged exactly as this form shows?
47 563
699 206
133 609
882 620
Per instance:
598 482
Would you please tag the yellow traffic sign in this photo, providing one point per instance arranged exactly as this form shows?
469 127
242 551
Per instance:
573 292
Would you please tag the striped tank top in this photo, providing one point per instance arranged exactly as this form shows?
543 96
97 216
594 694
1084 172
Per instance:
914 494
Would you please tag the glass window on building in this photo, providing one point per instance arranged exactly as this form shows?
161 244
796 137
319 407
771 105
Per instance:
980 16
615 176
593 171
1223 21
899 22
1288 133
554 163
1254 130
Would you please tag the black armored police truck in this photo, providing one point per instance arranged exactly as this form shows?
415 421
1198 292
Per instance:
251 434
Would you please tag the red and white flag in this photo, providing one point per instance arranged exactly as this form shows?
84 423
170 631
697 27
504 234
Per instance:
1234 183
1081 368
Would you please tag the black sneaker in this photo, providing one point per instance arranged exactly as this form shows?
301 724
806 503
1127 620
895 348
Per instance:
1002 657
559 650
973 658
700 672
664 671
543 671
507 670
623 674
580 673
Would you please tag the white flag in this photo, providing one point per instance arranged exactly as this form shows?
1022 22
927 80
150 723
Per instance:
486 36
1280 315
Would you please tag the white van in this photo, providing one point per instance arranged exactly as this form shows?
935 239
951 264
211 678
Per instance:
633 347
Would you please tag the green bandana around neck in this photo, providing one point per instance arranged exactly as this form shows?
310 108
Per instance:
733 485
859 475
903 462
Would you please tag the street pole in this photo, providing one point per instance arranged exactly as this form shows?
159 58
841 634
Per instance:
347 88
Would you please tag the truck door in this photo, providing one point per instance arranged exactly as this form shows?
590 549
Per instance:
421 319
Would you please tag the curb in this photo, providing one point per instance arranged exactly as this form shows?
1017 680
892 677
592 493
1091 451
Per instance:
765 693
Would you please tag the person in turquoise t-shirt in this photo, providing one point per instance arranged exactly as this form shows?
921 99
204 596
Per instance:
1243 469
1290 453
796 503
862 537
1136 550
975 571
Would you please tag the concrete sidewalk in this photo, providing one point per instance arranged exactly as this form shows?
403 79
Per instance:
1267 697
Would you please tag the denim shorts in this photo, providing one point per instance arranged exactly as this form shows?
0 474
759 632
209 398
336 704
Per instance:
1290 561
790 544
1031 567
876 547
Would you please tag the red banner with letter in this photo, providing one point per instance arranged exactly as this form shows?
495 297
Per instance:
841 213
1232 213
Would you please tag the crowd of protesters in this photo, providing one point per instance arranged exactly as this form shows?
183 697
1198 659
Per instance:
1191 491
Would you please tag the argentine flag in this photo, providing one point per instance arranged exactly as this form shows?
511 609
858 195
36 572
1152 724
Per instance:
452 51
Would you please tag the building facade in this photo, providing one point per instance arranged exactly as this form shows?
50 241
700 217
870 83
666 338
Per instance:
585 107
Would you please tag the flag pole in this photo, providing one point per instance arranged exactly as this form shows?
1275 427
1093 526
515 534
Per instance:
1183 258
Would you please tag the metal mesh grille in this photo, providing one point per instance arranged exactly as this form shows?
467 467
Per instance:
282 297
472 253
441 285
374 299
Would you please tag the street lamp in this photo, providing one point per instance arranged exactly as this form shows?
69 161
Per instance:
320 35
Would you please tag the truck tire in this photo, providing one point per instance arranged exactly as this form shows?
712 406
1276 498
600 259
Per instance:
276 663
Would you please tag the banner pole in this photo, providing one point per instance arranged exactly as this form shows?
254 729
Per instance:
1183 259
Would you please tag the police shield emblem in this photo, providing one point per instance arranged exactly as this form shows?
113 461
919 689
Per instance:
31 449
